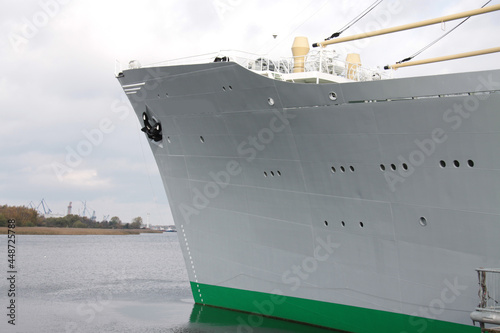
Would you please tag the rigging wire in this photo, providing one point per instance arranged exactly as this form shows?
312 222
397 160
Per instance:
301 24
347 26
437 40
356 19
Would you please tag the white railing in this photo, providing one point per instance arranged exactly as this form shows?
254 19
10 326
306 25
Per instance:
488 309
489 289
322 61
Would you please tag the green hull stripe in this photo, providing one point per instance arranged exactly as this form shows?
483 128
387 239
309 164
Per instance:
336 316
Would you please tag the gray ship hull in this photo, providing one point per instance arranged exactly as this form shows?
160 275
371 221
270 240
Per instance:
360 206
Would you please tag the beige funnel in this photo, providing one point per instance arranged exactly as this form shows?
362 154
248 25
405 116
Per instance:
300 48
353 63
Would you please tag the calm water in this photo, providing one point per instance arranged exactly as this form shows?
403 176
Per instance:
111 284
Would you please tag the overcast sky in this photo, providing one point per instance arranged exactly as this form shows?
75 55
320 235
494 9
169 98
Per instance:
58 90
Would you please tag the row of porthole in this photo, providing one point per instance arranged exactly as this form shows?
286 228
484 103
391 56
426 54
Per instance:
456 163
331 95
442 164
223 89
393 166
422 221
202 139
343 224
272 173
342 169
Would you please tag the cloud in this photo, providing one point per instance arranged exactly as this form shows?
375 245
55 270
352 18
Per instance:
86 179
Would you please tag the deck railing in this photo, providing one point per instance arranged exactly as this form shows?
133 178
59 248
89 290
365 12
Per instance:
488 309
317 61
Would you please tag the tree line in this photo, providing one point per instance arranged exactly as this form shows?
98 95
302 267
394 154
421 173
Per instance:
29 217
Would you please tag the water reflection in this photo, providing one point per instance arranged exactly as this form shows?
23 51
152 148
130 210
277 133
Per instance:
115 284
212 319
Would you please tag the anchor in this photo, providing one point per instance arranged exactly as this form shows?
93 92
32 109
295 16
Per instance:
153 131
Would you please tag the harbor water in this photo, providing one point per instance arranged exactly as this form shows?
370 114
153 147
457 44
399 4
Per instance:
97 283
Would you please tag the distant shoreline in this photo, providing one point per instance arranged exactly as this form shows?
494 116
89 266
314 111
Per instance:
75 231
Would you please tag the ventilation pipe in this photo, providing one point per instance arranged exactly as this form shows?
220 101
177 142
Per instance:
300 48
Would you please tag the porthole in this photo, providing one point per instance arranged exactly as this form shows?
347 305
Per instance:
326 223
278 172
470 163
333 169
230 88
272 173
265 174
393 167
332 96
342 168
422 221
166 94
168 139
202 139
270 101
442 164
351 168
456 163
361 224
224 88
382 167
405 166
342 223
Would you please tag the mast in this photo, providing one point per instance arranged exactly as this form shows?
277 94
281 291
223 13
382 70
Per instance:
410 25
444 58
